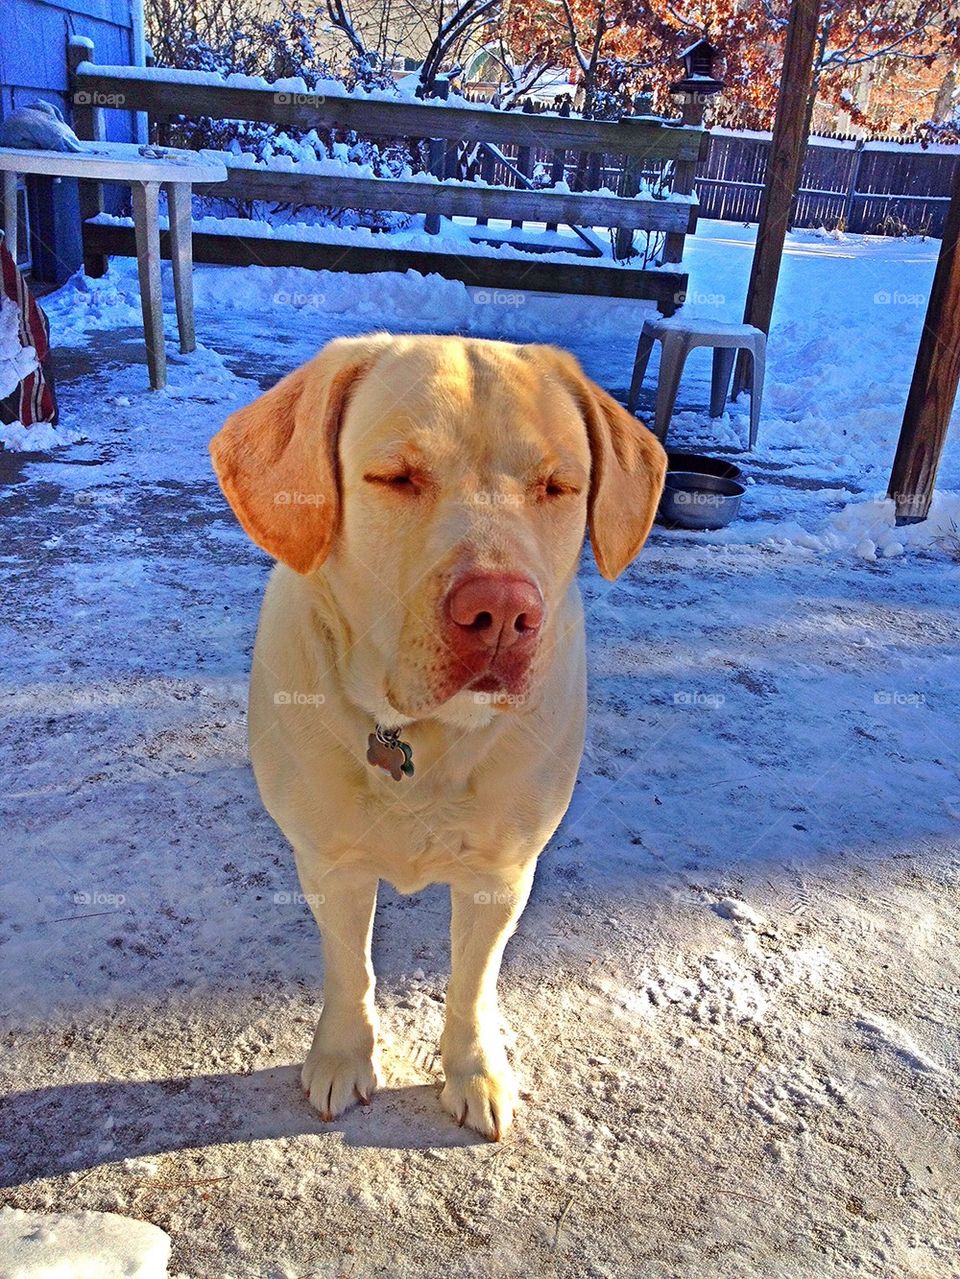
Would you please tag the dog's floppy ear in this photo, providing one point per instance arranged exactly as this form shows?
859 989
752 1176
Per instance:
276 459
627 470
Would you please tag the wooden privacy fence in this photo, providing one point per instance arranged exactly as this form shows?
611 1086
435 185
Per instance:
873 187
651 162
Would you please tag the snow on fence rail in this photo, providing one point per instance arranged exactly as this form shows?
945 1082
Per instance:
872 187
487 165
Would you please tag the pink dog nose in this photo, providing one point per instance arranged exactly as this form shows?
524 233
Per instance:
494 612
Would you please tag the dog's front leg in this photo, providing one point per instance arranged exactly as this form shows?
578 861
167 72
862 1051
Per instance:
341 1066
480 1089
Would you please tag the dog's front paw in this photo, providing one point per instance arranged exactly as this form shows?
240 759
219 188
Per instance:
336 1074
480 1091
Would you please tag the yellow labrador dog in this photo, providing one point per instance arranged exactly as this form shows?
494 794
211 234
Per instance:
417 699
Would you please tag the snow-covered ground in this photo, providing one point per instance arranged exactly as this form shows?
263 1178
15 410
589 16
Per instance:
80 1245
735 995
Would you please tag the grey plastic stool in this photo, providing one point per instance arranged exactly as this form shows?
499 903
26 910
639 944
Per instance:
678 336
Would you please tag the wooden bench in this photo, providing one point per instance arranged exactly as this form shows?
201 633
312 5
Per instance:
560 144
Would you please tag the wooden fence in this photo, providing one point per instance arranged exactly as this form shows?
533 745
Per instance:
874 188
646 163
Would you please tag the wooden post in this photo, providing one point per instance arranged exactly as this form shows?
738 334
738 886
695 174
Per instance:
557 166
439 89
623 236
451 163
684 172
488 172
784 161
936 377
852 180
524 156
89 126
438 167
524 163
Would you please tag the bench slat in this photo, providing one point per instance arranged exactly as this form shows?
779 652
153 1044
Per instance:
166 96
576 208
665 288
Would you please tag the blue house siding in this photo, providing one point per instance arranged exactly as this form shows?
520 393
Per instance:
33 63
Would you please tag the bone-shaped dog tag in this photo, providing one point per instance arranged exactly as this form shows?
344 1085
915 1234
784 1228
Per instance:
395 758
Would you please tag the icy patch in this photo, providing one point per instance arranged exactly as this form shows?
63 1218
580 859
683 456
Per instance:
83 1245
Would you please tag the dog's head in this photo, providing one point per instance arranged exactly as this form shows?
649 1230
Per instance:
444 485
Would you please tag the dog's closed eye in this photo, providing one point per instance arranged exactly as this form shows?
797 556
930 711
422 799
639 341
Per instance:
555 486
406 480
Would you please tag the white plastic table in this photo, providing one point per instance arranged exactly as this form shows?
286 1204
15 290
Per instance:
144 170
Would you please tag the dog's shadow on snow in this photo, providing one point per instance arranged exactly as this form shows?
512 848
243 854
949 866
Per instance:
58 1130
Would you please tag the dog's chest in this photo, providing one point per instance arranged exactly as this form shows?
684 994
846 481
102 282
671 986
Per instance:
409 848
434 826
411 841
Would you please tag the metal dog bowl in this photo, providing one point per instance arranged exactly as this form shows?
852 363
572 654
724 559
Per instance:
702 465
699 501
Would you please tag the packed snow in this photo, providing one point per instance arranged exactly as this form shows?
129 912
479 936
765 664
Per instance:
312 157
83 1245
734 998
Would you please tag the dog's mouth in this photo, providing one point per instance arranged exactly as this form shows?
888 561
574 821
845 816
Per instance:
499 692
503 684
504 681
489 683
